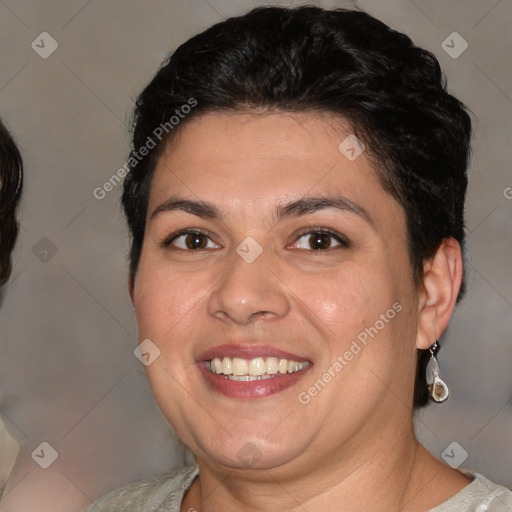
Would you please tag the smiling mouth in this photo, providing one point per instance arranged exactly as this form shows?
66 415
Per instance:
258 368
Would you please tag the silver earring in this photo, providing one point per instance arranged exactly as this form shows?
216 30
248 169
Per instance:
436 386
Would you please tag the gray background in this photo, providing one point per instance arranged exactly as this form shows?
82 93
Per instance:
68 375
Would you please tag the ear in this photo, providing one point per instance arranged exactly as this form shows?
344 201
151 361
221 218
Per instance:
442 277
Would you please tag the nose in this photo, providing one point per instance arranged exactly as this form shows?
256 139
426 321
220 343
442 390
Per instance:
249 292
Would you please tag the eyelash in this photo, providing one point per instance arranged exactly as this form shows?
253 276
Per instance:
170 239
343 241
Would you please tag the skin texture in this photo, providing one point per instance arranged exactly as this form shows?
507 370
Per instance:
352 446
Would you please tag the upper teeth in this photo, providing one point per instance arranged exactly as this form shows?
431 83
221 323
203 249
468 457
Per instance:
254 367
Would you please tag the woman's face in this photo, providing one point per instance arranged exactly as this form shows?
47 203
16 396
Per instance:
269 250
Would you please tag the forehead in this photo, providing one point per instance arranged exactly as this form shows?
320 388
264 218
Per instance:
264 156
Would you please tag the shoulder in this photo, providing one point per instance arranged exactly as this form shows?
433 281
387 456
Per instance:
162 493
480 495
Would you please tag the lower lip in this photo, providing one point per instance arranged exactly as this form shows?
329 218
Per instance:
252 389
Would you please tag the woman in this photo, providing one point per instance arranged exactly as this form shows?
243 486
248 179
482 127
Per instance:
295 199
11 178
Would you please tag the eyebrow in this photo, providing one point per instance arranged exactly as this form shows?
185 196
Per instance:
198 208
304 206
308 205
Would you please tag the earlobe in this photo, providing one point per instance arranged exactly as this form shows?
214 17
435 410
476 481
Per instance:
442 278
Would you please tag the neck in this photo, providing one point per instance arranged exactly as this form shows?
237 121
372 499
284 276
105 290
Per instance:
370 473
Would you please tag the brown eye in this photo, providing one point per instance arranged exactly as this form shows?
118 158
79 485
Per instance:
196 241
319 241
192 241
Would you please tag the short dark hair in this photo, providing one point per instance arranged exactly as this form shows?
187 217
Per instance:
11 181
341 62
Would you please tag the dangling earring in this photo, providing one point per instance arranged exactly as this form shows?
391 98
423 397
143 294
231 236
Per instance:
436 386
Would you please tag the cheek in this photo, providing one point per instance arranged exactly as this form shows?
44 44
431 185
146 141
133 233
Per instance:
164 299
346 300
167 305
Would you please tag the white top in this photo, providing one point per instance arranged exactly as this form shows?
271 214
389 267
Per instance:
165 494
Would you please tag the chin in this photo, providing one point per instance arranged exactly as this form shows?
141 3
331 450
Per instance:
248 451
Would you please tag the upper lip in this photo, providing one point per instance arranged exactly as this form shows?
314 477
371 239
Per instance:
248 351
